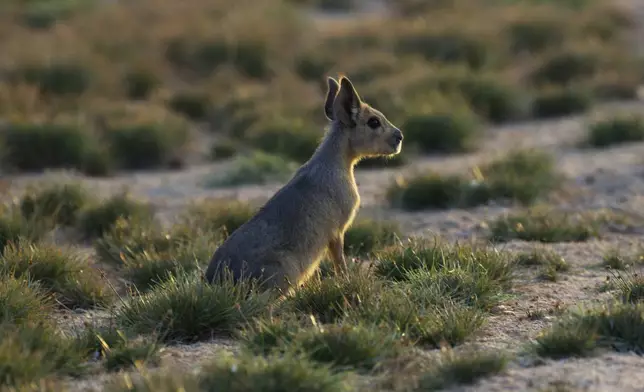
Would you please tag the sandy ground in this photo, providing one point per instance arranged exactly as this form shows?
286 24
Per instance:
610 178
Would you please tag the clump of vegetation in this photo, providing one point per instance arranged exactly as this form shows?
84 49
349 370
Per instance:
367 235
14 228
256 168
616 130
549 262
60 202
618 260
462 369
40 146
330 298
140 83
448 133
271 374
56 79
544 225
23 301
219 214
292 139
223 149
149 268
117 350
146 145
557 102
342 346
185 308
584 332
566 67
61 271
195 106
31 352
523 176
99 218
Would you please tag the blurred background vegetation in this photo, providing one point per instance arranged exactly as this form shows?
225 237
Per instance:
102 86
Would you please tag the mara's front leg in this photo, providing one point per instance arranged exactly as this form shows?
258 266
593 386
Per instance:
336 248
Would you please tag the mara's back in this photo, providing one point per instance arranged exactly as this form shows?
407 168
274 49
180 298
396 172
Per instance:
284 242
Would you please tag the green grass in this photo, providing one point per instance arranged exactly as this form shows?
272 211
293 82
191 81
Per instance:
465 368
544 225
185 308
30 353
522 176
617 130
617 259
62 271
368 235
60 202
271 374
23 301
256 168
584 332
97 219
15 228
225 215
357 347
550 263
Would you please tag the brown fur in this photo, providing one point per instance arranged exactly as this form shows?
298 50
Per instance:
285 241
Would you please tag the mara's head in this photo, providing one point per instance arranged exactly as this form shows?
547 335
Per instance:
369 132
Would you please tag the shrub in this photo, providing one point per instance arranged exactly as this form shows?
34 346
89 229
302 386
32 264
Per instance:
248 57
535 36
30 353
255 168
544 225
185 308
57 78
294 139
580 333
367 235
341 346
271 374
15 228
330 298
446 47
139 84
35 147
223 149
422 323
565 67
61 202
427 191
147 145
615 131
22 301
219 214
521 175
462 369
195 106
446 133
493 99
560 102
148 269
98 218
128 238
66 274
488 266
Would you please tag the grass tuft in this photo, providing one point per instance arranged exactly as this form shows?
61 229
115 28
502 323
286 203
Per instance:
184 308
74 283
616 130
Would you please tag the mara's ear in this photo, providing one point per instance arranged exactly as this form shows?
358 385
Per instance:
332 91
346 106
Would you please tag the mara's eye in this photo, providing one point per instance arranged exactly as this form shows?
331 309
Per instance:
373 123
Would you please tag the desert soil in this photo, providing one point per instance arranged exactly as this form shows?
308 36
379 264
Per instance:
610 178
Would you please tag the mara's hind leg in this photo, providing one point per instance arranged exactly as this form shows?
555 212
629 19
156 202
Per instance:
336 248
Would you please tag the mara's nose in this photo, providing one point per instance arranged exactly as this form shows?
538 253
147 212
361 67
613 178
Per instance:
398 135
